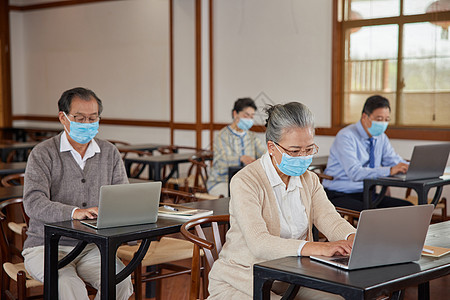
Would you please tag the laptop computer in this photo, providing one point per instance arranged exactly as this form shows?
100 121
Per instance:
386 236
126 204
427 161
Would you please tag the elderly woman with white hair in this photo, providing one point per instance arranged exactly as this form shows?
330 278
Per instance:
275 201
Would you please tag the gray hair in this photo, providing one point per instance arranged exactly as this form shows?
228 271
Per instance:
65 101
286 116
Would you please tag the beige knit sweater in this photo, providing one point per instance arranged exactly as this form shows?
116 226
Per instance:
254 235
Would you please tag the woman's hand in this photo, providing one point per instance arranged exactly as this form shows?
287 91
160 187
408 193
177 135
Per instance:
327 248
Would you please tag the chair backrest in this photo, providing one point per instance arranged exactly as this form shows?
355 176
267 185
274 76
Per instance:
211 247
176 196
199 172
352 216
8 212
13 179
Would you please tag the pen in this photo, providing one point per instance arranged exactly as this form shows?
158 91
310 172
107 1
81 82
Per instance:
427 251
170 208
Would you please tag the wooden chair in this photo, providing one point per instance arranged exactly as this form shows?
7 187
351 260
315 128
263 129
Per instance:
161 253
13 179
19 224
197 176
12 261
442 205
211 249
176 196
352 216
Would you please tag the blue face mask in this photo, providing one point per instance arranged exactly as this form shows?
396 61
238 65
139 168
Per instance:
294 166
377 128
82 133
245 124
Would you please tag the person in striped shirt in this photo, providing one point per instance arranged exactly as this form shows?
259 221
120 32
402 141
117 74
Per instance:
234 145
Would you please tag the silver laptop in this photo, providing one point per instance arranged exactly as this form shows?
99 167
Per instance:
386 236
127 204
427 161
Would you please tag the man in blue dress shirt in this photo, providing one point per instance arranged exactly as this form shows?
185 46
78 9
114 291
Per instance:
362 150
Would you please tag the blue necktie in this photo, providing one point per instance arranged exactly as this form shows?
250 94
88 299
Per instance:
371 153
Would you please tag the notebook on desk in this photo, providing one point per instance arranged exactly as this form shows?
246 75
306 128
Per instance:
386 236
427 161
127 204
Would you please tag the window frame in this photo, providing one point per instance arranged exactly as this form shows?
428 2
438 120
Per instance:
338 69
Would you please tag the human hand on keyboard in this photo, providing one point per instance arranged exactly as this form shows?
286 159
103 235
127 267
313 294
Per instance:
327 248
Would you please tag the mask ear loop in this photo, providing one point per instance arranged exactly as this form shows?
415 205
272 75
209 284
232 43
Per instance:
274 155
65 125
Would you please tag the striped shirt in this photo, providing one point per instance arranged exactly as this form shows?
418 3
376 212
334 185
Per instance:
229 146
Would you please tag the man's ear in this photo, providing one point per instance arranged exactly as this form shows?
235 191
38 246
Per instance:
62 118
366 120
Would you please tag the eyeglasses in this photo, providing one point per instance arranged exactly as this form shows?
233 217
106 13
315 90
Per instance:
82 119
381 119
310 150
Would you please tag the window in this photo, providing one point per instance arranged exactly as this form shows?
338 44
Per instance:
399 49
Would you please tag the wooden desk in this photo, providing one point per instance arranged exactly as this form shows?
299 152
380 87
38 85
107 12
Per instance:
157 162
5 149
142 147
422 187
358 284
12 168
107 240
24 134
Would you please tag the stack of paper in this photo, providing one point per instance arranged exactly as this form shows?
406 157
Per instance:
177 211
434 251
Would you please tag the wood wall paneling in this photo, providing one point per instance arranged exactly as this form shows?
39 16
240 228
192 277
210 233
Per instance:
5 67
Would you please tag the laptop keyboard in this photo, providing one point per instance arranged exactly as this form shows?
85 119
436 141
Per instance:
341 260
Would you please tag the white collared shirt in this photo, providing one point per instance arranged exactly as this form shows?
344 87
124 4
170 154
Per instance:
293 218
81 161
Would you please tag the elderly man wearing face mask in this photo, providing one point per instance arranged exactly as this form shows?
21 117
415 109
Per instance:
62 182
234 145
362 150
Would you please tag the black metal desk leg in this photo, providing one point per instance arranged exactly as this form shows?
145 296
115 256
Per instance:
261 288
367 195
108 271
51 266
128 168
157 172
437 195
4 155
291 292
424 291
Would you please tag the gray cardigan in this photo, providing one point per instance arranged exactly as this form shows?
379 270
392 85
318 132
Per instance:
55 184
